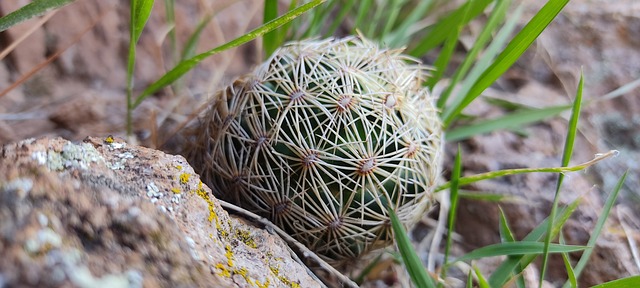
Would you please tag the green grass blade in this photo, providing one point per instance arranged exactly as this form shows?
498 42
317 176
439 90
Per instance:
488 197
518 248
628 282
363 9
445 26
442 62
455 175
142 12
566 157
505 232
170 16
401 35
567 265
611 200
31 10
513 120
511 53
494 174
186 65
345 8
496 46
482 281
469 280
506 235
192 43
270 40
497 16
416 269
502 274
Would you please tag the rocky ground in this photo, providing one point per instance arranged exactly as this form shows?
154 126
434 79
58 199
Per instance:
92 215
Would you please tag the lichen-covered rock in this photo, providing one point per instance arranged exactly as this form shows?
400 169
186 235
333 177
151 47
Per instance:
104 214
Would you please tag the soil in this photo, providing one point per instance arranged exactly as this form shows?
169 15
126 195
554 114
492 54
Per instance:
81 93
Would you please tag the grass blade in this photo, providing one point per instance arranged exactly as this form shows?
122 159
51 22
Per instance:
142 12
455 175
190 47
629 282
270 40
497 16
611 200
513 120
498 43
509 55
186 65
566 157
445 26
567 265
416 269
402 34
518 248
494 174
482 281
502 274
31 10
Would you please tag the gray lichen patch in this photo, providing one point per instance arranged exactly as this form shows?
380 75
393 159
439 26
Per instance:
71 156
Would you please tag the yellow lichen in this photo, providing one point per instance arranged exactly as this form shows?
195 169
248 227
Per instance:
263 285
245 237
229 255
276 270
179 167
243 272
184 178
109 139
175 190
224 272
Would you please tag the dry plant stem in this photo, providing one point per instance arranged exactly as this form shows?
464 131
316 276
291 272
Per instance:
28 33
57 54
306 252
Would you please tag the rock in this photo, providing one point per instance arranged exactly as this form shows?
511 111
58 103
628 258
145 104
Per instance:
102 213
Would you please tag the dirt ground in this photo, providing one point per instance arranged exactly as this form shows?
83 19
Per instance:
65 76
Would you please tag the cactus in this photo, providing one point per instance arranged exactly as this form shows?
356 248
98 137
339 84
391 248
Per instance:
322 139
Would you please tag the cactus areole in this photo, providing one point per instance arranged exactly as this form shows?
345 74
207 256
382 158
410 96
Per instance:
322 139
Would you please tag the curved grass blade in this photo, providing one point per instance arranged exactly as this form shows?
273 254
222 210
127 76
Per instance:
518 248
510 121
566 157
494 174
509 55
629 282
186 65
416 269
31 10
611 200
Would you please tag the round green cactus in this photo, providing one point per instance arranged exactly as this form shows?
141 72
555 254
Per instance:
323 138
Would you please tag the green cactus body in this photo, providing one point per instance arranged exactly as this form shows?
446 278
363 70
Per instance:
322 138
